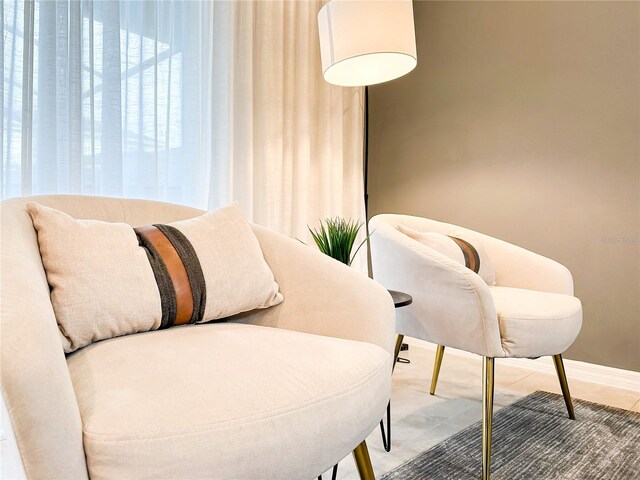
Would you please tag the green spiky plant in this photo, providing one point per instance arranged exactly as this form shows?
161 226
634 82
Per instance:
336 238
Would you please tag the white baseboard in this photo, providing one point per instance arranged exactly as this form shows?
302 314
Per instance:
587 372
576 370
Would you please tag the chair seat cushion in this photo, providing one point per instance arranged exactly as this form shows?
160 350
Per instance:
533 324
226 401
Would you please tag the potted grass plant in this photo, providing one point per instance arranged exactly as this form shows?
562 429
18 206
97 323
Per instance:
336 237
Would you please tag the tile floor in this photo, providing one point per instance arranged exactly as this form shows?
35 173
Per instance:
420 420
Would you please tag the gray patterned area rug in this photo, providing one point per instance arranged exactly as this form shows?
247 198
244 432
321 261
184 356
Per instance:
533 439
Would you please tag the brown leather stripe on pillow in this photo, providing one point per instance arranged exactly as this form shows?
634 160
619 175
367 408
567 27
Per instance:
163 280
471 257
175 294
192 265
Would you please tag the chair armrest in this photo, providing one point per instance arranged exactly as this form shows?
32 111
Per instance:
36 384
451 306
520 268
10 458
322 296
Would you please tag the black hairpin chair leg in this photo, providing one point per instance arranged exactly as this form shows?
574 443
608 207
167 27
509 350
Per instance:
334 473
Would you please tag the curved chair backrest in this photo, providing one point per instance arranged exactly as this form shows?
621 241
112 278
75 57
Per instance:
512 263
36 385
420 224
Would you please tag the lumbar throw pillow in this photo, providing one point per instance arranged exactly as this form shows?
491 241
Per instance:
109 279
462 247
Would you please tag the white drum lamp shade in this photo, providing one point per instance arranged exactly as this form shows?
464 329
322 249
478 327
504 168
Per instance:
365 42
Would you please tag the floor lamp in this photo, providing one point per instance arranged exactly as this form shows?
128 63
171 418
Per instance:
362 43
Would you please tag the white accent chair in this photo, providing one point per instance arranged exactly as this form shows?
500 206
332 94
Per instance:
280 393
530 312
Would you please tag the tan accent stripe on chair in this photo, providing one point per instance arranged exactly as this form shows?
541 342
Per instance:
471 257
177 272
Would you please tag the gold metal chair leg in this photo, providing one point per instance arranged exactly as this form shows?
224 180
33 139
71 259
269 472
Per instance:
487 414
396 352
436 369
363 462
562 376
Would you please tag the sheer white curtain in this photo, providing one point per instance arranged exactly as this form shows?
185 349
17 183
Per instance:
200 103
105 98
294 141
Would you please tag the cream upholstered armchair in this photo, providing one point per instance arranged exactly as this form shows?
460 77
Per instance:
530 312
226 400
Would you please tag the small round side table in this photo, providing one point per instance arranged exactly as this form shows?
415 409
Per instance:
400 299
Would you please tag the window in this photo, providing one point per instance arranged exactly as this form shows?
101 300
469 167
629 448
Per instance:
104 98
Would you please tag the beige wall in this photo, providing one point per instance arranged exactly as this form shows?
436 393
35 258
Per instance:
522 120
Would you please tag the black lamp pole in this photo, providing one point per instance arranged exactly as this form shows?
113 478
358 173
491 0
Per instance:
365 153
